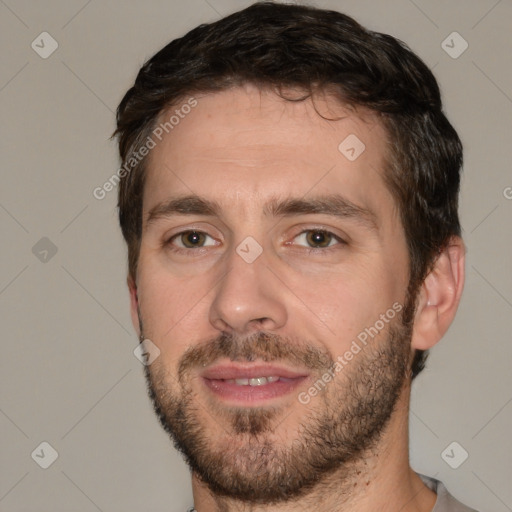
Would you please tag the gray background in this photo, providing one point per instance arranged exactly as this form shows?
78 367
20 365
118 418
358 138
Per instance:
68 373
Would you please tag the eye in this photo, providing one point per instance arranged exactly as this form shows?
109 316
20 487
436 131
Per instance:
319 238
191 240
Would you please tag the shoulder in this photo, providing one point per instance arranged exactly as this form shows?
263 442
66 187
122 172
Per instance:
445 501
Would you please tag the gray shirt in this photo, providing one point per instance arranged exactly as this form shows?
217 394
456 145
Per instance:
445 501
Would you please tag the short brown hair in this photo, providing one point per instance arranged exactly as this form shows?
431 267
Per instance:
279 46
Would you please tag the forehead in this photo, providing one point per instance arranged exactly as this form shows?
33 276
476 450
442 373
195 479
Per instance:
243 145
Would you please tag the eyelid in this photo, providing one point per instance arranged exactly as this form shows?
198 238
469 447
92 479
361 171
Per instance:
198 227
334 238
206 235
169 239
341 238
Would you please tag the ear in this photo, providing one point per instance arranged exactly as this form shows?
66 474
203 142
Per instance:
134 304
439 296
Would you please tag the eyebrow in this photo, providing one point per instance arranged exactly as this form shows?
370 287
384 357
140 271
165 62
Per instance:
333 205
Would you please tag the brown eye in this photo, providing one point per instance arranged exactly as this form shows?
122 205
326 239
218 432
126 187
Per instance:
319 238
316 239
190 239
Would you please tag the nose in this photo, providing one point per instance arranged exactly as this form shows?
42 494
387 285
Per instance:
248 297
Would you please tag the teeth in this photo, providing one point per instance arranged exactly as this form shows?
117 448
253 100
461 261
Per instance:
255 381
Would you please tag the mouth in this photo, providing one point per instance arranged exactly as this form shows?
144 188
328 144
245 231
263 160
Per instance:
251 383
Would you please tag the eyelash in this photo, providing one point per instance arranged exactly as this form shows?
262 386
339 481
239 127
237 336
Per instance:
316 250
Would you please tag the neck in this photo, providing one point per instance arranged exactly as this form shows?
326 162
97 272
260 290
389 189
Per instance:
381 480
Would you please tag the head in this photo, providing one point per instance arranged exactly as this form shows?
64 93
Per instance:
263 103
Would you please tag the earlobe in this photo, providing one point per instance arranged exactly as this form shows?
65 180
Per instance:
439 296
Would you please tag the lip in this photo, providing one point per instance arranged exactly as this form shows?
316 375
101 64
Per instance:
249 370
216 379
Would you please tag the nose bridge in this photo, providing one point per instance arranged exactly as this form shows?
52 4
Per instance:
247 296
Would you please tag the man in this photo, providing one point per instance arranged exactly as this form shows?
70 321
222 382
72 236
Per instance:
289 196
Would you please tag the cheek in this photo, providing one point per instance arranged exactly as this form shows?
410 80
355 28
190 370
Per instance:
170 308
340 305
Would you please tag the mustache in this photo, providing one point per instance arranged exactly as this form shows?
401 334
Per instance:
259 345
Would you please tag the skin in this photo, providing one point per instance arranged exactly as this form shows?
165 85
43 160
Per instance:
242 148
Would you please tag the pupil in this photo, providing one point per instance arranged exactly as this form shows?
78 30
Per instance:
193 238
319 238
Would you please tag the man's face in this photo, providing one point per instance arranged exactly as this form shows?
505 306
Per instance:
285 251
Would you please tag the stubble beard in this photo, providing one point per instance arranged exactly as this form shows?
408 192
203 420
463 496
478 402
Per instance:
255 460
